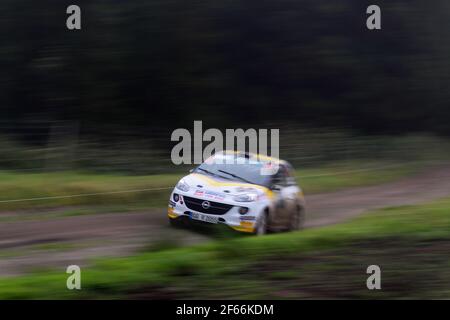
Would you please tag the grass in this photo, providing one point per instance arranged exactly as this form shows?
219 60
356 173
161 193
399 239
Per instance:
410 243
352 174
36 185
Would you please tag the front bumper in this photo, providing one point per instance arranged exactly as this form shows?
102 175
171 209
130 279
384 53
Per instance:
233 219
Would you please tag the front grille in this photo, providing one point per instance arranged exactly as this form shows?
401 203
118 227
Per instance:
214 207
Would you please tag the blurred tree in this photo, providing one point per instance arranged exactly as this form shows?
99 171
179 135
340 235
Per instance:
160 64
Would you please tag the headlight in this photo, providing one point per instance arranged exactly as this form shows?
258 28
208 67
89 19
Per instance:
245 197
182 185
243 210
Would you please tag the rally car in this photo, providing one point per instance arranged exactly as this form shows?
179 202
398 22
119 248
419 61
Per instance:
242 191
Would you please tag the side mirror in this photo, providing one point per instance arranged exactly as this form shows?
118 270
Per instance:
275 187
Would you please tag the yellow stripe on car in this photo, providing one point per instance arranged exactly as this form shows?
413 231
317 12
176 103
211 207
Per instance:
214 183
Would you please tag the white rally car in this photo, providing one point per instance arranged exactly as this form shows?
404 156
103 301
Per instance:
240 191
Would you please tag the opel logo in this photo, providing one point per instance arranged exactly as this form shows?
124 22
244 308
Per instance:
206 205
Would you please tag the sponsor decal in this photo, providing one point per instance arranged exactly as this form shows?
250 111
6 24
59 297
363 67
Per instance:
245 189
209 194
199 193
214 195
268 168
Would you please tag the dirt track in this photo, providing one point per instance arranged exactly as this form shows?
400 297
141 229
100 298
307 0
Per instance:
27 245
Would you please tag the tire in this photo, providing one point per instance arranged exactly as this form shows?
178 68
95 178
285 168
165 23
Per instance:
261 227
298 219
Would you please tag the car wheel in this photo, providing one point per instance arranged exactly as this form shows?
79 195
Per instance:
261 227
298 219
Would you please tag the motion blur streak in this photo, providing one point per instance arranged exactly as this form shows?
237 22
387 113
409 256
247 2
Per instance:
85 146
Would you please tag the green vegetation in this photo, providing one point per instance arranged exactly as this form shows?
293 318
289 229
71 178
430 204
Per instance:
352 174
47 185
410 243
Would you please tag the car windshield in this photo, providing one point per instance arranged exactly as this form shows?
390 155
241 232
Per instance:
248 172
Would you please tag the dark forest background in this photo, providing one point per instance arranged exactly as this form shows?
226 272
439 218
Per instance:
150 66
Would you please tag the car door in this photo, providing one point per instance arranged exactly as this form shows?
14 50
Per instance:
281 192
290 193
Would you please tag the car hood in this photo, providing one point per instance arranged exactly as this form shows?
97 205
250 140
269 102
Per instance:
216 188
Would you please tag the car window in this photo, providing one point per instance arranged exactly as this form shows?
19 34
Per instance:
280 178
249 171
290 176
